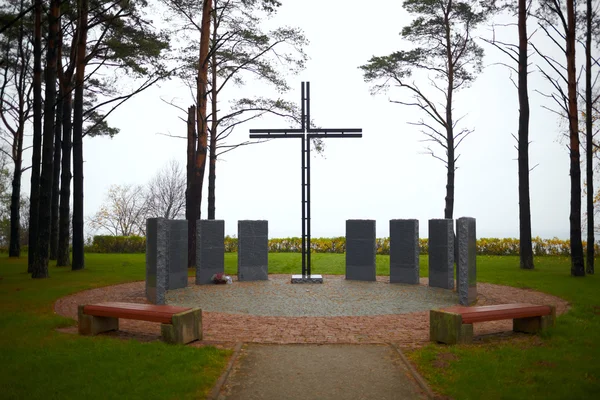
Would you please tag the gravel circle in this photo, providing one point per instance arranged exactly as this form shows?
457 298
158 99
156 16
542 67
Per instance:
335 297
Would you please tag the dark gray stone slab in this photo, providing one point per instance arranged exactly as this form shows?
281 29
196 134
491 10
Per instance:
361 249
253 250
467 260
404 251
210 250
157 238
178 254
166 257
441 253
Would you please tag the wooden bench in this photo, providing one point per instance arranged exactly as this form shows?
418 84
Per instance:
178 324
455 324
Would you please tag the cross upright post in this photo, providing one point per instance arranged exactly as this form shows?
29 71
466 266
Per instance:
305 133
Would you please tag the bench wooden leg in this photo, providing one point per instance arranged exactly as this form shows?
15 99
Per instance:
185 327
91 325
446 327
534 324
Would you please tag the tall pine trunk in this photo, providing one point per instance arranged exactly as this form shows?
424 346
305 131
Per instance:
589 141
14 249
36 157
525 245
40 266
201 121
63 256
449 206
212 165
191 209
212 175
577 263
56 178
78 234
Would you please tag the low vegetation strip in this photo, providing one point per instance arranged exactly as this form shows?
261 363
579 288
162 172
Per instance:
337 245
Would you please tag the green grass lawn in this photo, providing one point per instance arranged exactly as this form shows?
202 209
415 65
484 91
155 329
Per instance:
38 362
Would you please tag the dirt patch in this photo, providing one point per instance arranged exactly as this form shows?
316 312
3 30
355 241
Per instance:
405 330
442 360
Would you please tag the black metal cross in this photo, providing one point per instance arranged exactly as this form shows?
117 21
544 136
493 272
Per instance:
306 133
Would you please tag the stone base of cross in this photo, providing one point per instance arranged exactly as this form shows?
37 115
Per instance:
307 278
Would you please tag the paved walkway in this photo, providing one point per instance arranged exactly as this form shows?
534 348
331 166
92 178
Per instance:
294 372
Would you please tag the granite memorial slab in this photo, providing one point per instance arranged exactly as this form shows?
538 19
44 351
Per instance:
441 253
210 250
467 260
253 250
361 249
404 251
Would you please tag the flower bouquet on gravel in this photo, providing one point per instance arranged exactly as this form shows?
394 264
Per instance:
221 278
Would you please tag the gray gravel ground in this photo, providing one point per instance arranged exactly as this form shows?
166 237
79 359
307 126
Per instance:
335 297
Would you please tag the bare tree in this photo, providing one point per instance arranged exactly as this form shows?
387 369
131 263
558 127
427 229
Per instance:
123 212
165 193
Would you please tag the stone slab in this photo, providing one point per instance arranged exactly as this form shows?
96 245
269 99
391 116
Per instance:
157 237
446 327
253 250
186 327
178 254
166 257
210 250
404 251
361 249
441 253
91 325
467 261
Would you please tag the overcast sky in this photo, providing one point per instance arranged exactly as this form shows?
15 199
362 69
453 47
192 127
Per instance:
385 174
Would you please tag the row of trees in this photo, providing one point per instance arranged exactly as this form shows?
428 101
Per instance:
87 45
448 55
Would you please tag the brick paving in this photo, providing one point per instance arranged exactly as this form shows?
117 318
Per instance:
225 329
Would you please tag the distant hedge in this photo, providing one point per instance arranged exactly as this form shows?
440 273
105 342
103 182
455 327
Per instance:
117 244
485 246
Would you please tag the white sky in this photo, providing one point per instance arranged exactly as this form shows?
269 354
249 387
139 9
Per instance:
385 175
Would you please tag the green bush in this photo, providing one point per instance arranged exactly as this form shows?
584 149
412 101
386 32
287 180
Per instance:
485 246
117 244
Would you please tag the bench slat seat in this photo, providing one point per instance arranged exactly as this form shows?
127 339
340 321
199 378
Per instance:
499 312
178 324
455 324
141 312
